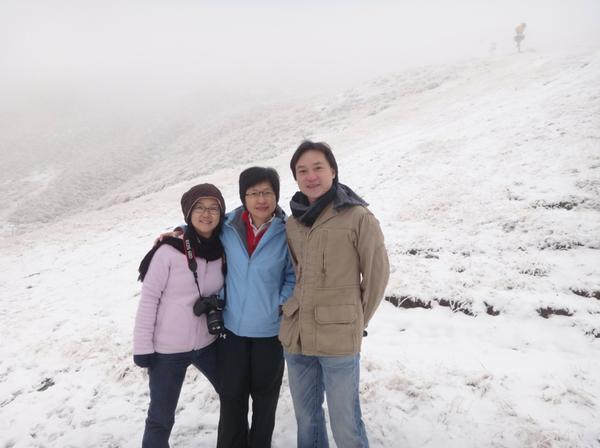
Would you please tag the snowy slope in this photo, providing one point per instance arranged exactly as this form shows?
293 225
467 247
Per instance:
486 178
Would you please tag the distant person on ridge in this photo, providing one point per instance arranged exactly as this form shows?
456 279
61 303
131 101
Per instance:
520 35
342 270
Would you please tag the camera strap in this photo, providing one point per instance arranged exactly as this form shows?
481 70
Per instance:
193 266
191 259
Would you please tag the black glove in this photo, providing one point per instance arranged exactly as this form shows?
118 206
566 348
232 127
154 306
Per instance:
143 360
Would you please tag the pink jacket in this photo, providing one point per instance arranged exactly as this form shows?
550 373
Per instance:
165 320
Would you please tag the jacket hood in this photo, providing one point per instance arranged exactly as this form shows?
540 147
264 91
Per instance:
346 197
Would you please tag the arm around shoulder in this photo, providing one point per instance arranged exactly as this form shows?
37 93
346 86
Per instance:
289 280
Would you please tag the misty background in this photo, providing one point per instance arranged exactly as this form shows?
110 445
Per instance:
481 163
98 96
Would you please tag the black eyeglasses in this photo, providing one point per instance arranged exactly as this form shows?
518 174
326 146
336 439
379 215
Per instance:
256 194
212 210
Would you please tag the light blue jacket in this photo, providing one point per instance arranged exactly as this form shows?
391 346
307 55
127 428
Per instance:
257 284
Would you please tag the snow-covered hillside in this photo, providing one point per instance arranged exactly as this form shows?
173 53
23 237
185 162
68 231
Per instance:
486 178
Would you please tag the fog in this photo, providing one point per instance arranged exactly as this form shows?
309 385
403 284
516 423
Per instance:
90 88
157 49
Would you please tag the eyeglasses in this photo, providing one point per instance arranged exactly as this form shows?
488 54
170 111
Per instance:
265 194
200 209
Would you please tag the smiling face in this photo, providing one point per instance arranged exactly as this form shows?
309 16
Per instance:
205 216
314 175
260 201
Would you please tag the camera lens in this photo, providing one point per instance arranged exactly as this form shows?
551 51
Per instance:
214 321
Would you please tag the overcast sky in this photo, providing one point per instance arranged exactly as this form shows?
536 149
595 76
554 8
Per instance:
171 48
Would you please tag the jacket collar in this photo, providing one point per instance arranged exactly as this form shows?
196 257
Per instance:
236 222
328 213
344 197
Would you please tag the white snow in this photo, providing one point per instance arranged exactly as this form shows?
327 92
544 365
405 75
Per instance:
485 176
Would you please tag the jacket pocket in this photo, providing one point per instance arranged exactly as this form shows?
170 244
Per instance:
335 314
336 329
289 328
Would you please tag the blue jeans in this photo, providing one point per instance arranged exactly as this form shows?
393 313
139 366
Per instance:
166 378
313 377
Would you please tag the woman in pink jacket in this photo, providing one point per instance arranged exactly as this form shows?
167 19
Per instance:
181 280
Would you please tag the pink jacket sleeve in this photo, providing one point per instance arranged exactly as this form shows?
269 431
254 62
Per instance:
152 289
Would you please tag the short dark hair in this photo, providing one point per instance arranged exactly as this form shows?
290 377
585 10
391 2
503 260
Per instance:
322 147
255 175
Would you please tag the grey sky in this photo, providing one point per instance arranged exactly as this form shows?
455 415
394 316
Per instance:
91 92
169 48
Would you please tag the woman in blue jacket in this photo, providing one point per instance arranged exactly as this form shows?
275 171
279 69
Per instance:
260 278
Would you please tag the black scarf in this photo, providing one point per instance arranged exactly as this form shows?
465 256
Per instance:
341 195
210 249
308 213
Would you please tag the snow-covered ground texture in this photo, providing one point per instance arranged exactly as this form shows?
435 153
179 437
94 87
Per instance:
486 178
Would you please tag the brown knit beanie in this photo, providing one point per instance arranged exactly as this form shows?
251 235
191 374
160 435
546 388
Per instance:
190 197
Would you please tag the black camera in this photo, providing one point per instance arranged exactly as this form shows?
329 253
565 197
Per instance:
213 307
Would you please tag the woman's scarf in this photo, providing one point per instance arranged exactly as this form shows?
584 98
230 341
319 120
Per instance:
210 249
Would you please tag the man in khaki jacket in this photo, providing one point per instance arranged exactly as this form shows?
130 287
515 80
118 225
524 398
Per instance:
342 270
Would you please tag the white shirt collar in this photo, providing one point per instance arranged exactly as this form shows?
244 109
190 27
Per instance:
260 228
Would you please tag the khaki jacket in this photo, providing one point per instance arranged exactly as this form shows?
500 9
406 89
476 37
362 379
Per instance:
342 270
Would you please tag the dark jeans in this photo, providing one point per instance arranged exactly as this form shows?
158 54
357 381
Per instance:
166 378
248 367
